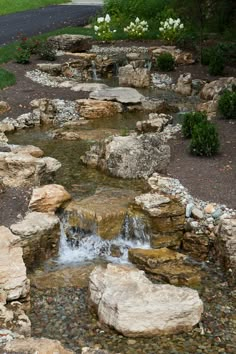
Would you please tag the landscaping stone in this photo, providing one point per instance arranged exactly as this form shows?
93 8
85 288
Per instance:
131 77
4 107
88 87
124 95
70 42
155 123
154 310
196 245
95 109
215 87
184 84
158 106
13 318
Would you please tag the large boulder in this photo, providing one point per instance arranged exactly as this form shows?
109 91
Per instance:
48 198
70 42
94 109
39 235
134 77
215 87
35 345
13 279
124 95
130 156
184 84
181 58
126 300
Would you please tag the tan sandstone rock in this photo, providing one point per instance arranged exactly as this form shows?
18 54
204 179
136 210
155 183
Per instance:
134 77
94 109
215 87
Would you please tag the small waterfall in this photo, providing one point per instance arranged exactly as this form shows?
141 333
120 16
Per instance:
94 71
148 64
89 247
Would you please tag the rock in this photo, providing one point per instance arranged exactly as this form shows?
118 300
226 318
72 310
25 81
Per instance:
4 107
13 279
158 106
95 109
102 213
124 95
85 134
215 87
87 350
155 123
7 125
129 156
189 208
27 149
53 69
48 198
197 213
210 107
3 139
12 317
209 209
181 58
39 237
166 265
162 81
217 213
70 42
89 87
196 245
131 77
184 84
154 310
225 246
36 345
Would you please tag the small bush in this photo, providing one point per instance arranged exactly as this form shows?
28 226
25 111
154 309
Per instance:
216 64
227 104
206 56
46 52
205 139
190 120
165 62
22 55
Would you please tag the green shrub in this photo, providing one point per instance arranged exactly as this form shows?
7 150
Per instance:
206 56
216 64
6 78
46 52
190 120
205 139
165 62
227 104
22 55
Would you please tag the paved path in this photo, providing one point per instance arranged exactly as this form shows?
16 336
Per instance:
46 19
86 2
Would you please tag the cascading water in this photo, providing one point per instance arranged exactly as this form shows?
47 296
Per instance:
94 71
92 247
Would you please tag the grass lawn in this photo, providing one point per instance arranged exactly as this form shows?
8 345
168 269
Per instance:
11 6
6 78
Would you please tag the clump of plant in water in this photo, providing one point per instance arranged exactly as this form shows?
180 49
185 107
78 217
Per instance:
103 29
171 29
190 120
205 139
227 104
165 62
136 29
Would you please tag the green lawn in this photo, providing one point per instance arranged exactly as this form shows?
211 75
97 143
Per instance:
10 6
6 78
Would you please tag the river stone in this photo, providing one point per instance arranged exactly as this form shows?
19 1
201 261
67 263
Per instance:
39 236
48 198
124 95
35 345
166 265
103 213
197 213
95 109
13 279
215 87
89 87
130 156
134 77
70 42
126 300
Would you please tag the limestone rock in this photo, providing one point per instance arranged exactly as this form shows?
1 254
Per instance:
124 95
184 84
158 106
131 77
4 107
70 42
130 156
215 87
35 345
12 317
39 236
84 134
210 107
95 109
27 149
181 58
196 245
48 198
7 125
89 87
155 123
53 69
103 213
3 138
126 300
13 279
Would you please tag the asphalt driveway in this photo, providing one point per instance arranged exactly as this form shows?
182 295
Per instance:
43 20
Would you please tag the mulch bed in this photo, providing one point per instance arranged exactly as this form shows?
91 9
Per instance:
211 179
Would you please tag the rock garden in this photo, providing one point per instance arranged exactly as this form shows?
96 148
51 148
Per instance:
118 199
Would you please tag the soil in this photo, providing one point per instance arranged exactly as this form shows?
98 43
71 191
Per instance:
212 179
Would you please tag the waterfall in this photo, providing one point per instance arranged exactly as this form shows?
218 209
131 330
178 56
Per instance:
92 247
94 71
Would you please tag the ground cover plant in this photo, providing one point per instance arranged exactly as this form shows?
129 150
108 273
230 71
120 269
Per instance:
13 6
6 78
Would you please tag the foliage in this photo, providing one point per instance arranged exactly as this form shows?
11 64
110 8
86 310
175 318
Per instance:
11 6
165 62
190 120
6 78
103 29
216 64
206 56
171 29
45 51
205 139
227 104
22 55
137 28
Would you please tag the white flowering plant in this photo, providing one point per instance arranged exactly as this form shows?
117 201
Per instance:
103 29
137 28
171 29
